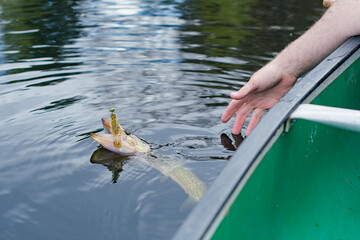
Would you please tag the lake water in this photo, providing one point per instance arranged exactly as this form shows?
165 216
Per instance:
167 66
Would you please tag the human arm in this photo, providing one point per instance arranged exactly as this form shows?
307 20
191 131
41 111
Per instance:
270 83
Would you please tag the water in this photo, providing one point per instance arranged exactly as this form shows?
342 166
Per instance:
166 66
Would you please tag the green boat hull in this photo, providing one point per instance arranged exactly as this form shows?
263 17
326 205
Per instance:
292 180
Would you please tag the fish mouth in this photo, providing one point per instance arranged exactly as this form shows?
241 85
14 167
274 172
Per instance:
107 141
100 138
106 124
117 139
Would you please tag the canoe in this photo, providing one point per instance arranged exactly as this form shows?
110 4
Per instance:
292 179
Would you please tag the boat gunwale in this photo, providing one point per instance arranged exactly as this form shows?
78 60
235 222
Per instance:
209 212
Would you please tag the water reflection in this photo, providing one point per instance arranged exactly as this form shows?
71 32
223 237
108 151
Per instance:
168 66
59 104
218 27
180 174
112 161
38 28
230 144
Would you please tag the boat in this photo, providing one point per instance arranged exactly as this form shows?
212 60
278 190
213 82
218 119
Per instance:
292 178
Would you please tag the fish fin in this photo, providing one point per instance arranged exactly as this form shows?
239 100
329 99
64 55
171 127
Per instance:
106 124
188 204
163 178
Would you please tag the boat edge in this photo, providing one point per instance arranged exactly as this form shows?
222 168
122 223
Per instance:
203 220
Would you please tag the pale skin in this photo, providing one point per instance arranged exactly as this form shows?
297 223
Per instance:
271 82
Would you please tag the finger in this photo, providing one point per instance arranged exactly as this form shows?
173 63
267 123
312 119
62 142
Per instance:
241 115
244 91
231 109
255 118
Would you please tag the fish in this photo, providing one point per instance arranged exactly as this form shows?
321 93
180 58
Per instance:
124 144
117 140
180 174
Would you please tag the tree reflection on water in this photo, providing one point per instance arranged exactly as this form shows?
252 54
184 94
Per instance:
38 29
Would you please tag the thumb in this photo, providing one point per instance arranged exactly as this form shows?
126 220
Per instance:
243 92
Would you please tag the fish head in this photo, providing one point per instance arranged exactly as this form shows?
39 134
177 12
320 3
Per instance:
107 141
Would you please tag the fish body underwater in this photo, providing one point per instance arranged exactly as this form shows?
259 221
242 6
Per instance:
117 140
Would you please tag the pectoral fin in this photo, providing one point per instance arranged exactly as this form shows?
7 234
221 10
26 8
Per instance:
188 204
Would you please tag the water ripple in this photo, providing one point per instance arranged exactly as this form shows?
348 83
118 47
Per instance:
166 66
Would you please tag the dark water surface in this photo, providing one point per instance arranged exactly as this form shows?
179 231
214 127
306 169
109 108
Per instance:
166 66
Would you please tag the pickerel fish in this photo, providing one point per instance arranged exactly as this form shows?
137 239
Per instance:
119 141
180 174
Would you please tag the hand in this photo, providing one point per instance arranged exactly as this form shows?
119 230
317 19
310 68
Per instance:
264 89
269 84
